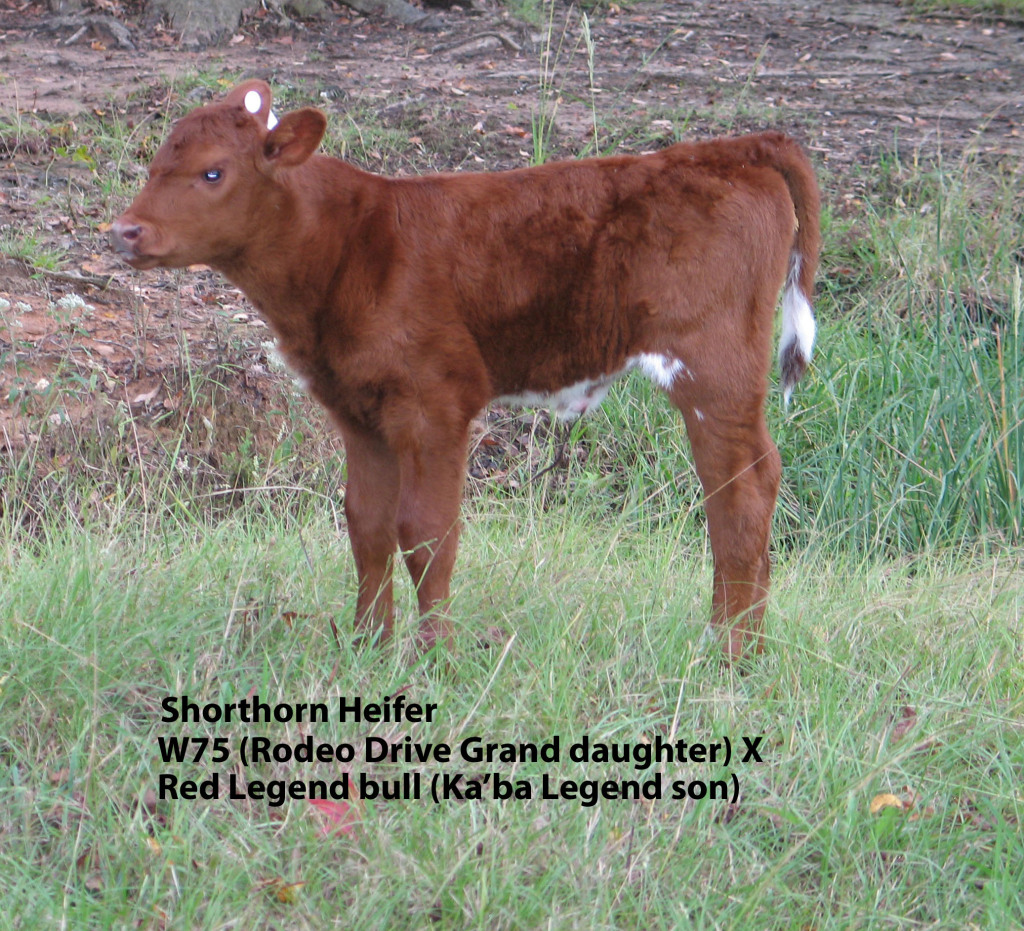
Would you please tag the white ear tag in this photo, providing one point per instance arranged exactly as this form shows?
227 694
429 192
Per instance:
254 103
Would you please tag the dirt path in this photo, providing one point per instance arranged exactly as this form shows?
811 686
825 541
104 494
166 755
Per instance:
852 79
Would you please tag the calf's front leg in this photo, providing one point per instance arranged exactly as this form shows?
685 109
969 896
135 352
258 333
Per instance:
371 509
433 474
408 499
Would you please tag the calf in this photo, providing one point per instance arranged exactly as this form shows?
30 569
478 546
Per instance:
406 305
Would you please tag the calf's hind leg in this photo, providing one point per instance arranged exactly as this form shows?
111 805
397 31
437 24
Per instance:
739 470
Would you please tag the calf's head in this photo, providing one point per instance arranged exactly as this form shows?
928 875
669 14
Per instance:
214 180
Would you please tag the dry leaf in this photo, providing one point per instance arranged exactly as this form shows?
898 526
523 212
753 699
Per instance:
285 892
147 397
290 617
885 800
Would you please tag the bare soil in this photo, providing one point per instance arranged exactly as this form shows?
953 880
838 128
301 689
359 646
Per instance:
856 81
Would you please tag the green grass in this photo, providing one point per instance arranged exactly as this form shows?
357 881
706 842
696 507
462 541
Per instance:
204 553
600 637
971 7
27 247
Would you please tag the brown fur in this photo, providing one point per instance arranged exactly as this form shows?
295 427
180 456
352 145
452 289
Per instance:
408 304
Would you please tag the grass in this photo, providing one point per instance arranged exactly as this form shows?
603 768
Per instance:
972 7
29 248
203 553
595 642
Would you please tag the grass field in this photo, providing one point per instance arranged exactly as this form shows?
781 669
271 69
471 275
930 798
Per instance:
883 728
898 677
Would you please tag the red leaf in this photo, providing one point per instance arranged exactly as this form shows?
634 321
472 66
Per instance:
908 718
339 817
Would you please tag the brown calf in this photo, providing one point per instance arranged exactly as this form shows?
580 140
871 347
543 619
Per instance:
406 305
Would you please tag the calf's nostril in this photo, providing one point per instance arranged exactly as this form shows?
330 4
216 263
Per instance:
129 232
124 237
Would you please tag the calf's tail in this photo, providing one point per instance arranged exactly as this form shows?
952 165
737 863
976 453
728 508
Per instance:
798 327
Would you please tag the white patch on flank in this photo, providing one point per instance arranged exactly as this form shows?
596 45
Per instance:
662 370
699 413
575 400
566 403
797 317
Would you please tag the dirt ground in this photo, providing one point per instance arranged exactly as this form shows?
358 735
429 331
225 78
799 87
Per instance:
854 80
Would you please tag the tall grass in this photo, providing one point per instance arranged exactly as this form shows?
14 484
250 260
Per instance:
912 434
914 417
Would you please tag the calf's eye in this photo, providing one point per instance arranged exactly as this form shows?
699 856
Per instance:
212 176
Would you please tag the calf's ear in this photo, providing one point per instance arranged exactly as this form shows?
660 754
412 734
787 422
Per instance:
295 137
255 96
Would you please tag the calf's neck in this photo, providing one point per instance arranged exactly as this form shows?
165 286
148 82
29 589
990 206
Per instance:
405 305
